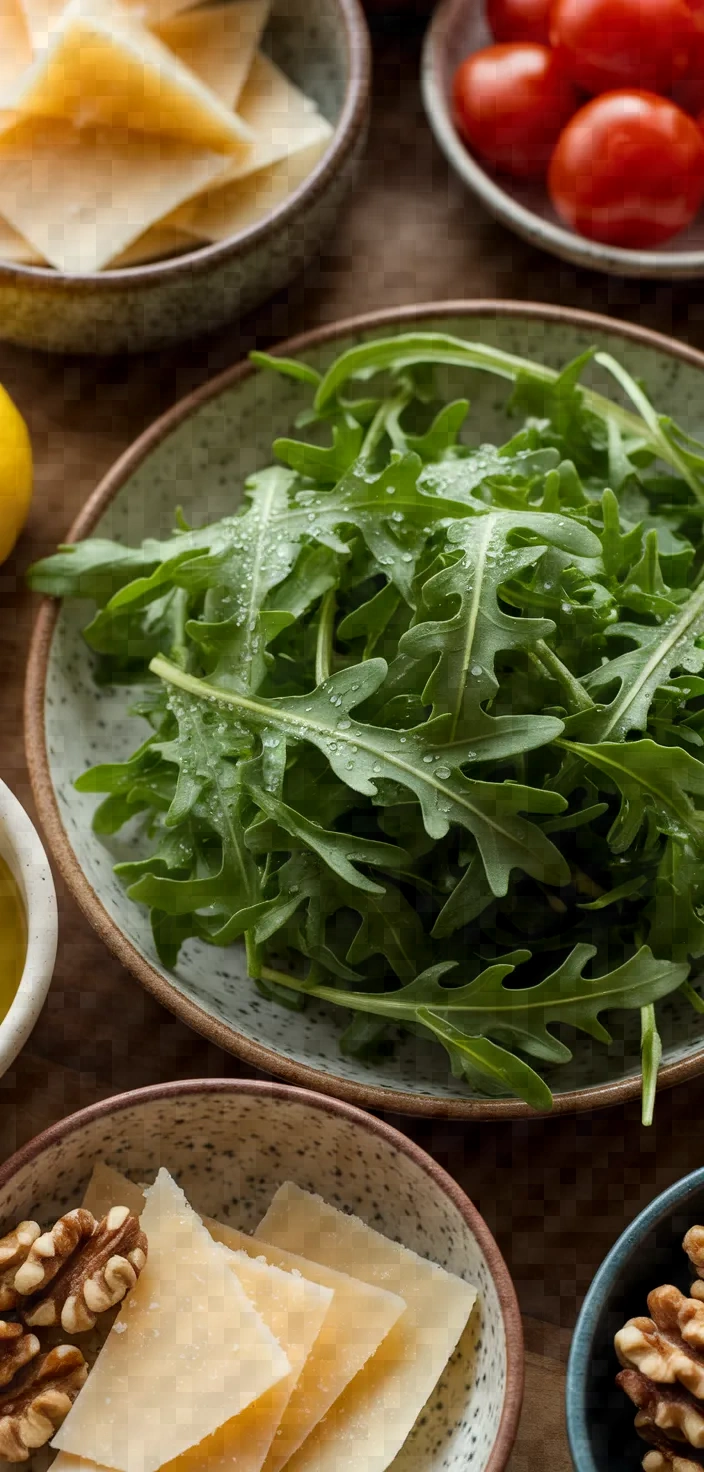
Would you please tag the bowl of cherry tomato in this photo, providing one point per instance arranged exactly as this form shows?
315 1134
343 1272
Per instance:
578 123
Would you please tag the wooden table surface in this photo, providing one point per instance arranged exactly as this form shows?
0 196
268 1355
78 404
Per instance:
555 1193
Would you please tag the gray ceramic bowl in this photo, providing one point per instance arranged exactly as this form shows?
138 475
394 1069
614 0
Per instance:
231 1144
198 456
324 48
458 28
649 1252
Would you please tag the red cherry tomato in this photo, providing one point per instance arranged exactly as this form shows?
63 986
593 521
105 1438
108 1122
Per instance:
605 44
520 20
628 170
511 103
689 93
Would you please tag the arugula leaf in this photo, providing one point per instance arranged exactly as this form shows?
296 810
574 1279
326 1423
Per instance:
361 754
647 783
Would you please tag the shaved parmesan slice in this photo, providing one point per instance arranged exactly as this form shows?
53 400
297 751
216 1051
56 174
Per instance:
370 1422
101 68
278 116
14 248
357 1322
187 1351
43 16
294 1310
80 197
15 42
156 243
232 208
218 43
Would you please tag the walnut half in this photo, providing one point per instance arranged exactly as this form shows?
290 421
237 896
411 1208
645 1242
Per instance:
13 1251
16 1350
92 1275
33 1408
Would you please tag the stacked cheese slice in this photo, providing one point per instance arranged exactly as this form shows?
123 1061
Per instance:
131 130
312 1345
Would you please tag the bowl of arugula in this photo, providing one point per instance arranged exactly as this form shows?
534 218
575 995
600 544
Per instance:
367 732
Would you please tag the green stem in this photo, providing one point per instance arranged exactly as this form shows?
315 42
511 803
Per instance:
576 696
693 997
651 1054
323 649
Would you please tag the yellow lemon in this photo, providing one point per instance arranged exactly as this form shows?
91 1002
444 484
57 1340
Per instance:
15 474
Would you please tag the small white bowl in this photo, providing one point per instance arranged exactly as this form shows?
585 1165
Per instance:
459 28
22 850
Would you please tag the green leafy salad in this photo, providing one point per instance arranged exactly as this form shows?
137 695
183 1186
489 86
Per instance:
426 721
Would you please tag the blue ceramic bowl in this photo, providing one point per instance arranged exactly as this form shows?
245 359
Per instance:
599 1415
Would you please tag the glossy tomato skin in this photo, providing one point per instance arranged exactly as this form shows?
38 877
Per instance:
511 103
628 170
608 44
520 20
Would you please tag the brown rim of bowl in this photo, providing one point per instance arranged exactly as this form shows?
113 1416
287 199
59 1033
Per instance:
501 1278
255 1054
350 123
547 234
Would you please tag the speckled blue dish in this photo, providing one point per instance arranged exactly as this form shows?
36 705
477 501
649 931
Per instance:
599 1415
232 1143
198 457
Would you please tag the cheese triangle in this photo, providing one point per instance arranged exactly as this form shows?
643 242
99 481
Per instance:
15 42
103 69
229 209
43 16
14 248
357 1323
81 196
278 116
155 244
369 1423
218 43
187 1352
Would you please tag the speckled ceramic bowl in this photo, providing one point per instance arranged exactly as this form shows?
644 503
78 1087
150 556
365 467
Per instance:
231 1144
599 1415
324 48
198 457
21 848
458 28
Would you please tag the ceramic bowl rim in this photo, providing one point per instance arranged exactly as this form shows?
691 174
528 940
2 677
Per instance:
360 1119
36 880
597 1296
225 1035
546 234
202 258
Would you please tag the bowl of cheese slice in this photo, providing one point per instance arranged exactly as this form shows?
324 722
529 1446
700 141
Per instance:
232 1274
165 166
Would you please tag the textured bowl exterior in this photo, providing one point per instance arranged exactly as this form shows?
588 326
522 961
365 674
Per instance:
649 1252
325 49
21 848
459 28
231 1144
195 456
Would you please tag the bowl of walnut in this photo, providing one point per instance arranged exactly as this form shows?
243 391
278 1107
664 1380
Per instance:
635 1381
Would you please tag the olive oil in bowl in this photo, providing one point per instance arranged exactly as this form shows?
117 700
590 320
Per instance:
13 938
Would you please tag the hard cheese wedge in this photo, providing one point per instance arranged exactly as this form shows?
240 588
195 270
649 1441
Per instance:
218 43
370 1422
187 1353
81 196
15 42
358 1321
294 1310
278 116
230 209
101 67
43 16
